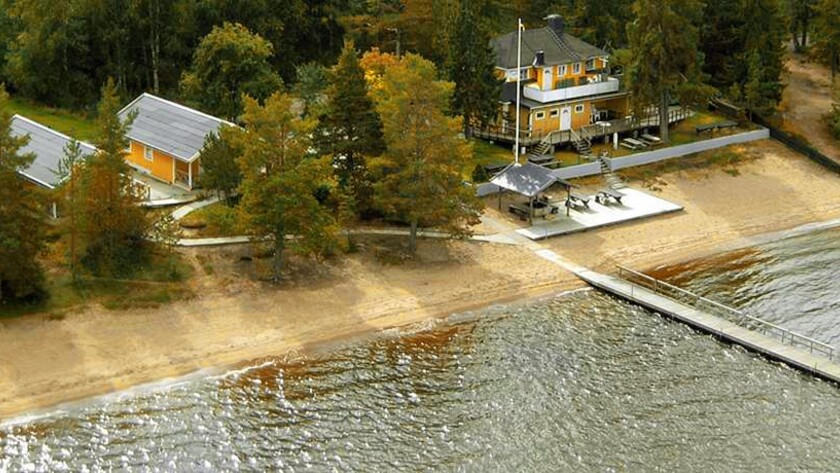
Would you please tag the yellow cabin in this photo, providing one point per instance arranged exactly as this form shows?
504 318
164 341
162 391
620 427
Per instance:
565 85
166 139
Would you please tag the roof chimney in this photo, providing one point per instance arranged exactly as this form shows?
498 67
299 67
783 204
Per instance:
539 60
556 23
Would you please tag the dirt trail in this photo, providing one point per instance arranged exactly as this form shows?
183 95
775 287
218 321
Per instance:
806 102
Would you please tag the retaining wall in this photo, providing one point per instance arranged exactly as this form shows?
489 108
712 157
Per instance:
640 159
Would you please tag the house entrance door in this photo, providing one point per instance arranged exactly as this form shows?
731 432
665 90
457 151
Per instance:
548 79
566 118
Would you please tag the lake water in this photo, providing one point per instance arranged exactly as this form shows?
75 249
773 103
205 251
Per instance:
580 382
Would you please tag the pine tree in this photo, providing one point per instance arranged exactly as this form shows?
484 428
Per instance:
419 178
800 13
69 167
350 129
310 84
753 93
602 23
764 35
665 59
113 225
21 217
281 180
220 171
827 33
472 67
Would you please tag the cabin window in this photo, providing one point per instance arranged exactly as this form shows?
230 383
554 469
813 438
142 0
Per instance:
590 65
554 113
576 68
147 153
562 70
579 108
540 115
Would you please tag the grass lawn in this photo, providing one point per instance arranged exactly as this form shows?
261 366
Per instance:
215 220
485 153
152 285
70 123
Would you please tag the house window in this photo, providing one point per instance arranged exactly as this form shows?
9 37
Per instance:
579 108
554 113
576 68
147 153
590 65
540 115
562 70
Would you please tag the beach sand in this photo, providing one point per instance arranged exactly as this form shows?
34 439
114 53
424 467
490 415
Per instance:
46 360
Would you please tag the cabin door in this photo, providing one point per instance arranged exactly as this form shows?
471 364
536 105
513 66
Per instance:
548 83
565 118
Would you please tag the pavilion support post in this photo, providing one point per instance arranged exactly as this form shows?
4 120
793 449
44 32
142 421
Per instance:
531 210
568 196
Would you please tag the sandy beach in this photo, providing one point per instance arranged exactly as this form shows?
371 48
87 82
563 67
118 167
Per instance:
45 360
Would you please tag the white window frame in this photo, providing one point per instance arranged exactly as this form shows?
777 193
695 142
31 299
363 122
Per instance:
539 116
580 108
576 68
554 113
562 70
148 153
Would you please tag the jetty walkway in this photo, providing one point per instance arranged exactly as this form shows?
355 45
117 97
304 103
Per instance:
770 340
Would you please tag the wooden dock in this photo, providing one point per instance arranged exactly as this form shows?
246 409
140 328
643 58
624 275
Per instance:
762 337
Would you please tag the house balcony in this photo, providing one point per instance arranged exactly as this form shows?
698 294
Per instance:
533 92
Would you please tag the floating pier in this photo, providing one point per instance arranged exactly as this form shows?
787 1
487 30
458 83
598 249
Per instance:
770 340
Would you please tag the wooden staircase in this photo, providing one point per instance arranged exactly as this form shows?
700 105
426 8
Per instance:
612 179
540 149
582 145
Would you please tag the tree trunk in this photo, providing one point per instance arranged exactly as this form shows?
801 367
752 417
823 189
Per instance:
277 263
412 237
155 46
663 116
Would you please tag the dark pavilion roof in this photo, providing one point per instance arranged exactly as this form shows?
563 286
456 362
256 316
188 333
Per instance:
528 179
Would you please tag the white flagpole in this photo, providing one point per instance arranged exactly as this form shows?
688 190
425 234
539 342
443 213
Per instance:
519 29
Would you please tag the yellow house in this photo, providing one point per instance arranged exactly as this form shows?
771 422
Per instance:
166 139
565 84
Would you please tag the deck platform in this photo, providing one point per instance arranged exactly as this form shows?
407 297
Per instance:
634 205
770 347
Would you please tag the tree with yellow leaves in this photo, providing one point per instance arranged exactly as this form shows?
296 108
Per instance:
419 175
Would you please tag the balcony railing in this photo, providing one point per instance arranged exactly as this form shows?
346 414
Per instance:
611 84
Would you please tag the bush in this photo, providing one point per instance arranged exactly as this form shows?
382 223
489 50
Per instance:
833 119
480 174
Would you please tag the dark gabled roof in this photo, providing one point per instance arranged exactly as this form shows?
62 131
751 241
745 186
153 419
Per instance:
528 179
48 147
558 49
170 127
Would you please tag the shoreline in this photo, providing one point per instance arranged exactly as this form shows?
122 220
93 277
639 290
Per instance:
97 354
